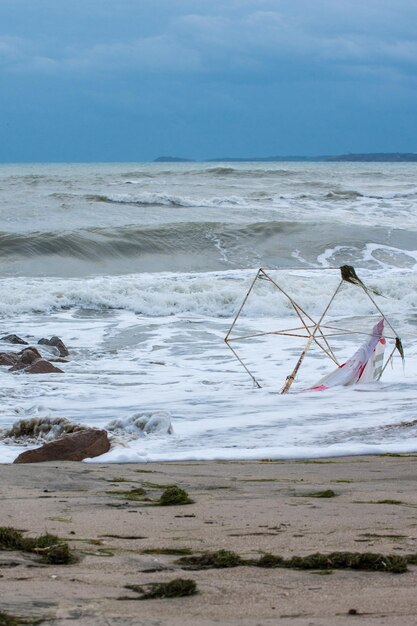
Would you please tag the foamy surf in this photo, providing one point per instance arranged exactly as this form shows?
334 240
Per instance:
212 294
143 280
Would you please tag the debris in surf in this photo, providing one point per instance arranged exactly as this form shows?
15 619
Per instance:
366 365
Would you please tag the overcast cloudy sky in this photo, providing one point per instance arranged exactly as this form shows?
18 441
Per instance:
128 80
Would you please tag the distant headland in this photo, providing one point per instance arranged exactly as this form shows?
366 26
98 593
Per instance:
371 157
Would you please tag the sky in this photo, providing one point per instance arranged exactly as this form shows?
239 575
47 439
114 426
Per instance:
130 80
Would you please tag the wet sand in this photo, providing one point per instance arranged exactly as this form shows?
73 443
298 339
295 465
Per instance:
247 507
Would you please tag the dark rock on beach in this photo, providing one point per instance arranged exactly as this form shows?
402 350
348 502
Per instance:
76 446
14 339
56 342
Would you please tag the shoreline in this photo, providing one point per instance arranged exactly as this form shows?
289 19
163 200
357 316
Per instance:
248 507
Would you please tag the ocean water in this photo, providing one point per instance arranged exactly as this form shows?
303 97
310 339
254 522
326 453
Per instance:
141 269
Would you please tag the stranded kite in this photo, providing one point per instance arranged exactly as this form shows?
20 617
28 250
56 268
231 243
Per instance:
366 365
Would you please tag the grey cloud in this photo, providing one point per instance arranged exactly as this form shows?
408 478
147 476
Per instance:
250 35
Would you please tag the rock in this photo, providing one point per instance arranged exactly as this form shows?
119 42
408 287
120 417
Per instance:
14 339
76 446
8 358
42 366
31 361
24 358
29 355
57 343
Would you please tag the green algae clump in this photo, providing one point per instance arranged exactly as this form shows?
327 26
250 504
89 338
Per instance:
368 561
211 560
13 539
50 548
327 493
59 554
171 551
269 560
138 493
176 588
411 559
174 495
13 620
10 538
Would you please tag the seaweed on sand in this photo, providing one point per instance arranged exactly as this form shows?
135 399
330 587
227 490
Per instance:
135 494
50 548
170 551
327 493
174 495
211 560
6 619
176 588
367 561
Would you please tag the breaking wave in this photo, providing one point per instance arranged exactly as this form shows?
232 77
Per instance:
208 246
213 294
166 200
97 243
39 430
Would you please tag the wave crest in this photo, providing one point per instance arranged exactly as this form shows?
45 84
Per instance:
215 295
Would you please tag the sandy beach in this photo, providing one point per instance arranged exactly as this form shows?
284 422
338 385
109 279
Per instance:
250 508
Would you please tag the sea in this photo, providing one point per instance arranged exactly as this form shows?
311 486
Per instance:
142 268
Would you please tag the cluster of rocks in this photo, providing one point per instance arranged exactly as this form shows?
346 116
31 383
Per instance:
78 442
71 442
30 359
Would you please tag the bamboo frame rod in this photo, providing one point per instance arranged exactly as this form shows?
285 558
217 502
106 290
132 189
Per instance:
347 331
292 376
242 305
387 361
297 308
243 365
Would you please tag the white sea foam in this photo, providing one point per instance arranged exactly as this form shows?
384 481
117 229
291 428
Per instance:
378 256
126 367
164 199
142 424
214 294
